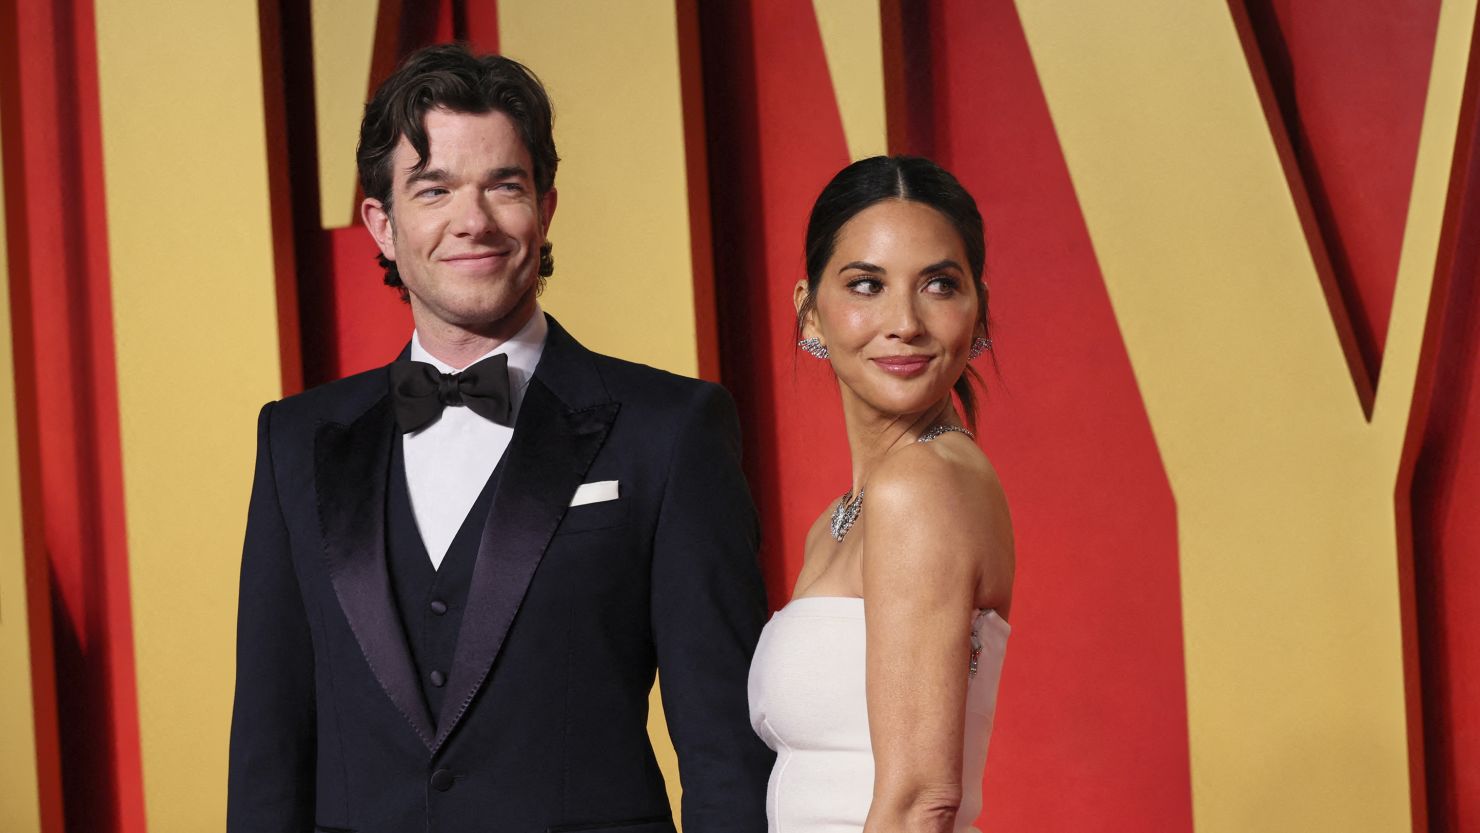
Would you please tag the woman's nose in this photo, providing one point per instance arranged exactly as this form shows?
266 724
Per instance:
904 319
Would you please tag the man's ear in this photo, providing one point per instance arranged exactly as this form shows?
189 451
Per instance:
378 220
547 210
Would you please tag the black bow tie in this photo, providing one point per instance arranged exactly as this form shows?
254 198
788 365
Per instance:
420 391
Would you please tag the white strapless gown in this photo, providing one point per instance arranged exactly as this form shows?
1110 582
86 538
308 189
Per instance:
807 702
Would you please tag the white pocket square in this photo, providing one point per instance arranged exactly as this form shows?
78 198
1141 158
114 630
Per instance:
594 492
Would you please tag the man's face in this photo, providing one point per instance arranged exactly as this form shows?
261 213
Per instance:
466 231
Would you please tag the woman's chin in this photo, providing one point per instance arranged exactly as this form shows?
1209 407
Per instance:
910 401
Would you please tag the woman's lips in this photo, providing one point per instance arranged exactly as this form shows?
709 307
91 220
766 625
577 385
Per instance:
902 365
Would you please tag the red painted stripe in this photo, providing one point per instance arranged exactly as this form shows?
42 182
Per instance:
65 267
1315 217
370 323
1346 94
1092 720
776 138
696 174
47 744
280 187
480 24
1438 488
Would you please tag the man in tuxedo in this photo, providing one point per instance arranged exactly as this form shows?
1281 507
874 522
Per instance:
461 570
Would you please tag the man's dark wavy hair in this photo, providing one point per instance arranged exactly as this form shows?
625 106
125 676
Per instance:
452 78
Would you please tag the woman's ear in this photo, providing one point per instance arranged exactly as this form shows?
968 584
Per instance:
808 323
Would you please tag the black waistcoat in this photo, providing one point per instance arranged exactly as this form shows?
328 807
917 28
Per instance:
431 600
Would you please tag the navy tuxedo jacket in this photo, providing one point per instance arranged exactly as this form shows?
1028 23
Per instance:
569 612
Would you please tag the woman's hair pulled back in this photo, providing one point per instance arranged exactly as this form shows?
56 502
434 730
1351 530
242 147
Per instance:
912 179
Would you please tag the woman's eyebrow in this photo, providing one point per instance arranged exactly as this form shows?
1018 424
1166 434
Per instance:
943 265
862 266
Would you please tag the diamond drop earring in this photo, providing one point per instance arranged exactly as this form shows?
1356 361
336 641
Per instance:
813 347
978 347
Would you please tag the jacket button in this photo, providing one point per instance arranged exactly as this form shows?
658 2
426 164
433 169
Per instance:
438 606
442 780
438 678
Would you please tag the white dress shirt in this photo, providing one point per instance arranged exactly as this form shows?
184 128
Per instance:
449 462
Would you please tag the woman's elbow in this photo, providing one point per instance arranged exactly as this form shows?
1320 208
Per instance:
923 809
935 810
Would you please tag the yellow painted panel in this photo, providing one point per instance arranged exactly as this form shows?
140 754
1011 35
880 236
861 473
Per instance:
191 262
20 808
343 44
853 40
1285 492
623 280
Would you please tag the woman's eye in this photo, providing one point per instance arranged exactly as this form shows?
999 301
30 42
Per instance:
943 285
865 286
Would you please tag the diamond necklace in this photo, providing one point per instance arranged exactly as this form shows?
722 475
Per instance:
849 505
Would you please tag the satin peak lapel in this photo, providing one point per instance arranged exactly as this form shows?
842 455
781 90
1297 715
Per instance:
351 466
552 448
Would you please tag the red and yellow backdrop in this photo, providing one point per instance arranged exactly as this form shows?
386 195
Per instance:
1233 251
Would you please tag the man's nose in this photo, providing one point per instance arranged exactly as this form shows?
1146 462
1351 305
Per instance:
474 215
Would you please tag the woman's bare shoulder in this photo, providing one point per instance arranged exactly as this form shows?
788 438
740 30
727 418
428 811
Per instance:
938 508
949 474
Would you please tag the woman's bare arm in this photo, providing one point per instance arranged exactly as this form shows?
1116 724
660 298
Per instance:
937 543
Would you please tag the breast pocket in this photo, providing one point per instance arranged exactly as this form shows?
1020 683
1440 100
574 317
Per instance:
589 517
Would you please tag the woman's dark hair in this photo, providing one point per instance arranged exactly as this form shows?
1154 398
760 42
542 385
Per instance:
450 77
909 178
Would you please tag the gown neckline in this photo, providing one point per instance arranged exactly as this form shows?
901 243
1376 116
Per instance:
854 604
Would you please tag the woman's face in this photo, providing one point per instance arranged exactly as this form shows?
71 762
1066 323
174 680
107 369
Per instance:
896 307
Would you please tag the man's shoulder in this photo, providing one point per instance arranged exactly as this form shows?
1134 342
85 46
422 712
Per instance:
586 374
342 400
644 386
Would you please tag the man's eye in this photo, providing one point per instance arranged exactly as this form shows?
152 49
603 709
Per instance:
431 192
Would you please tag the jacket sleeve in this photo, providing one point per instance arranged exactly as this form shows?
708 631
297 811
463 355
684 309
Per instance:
270 783
708 608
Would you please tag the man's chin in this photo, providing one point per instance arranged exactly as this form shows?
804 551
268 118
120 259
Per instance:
487 318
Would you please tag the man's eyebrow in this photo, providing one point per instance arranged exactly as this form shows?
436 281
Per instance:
508 172
862 266
440 176
432 175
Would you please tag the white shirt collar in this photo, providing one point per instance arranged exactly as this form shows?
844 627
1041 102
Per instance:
524 349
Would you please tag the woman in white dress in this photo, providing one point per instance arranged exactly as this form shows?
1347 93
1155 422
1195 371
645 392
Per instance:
877 683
